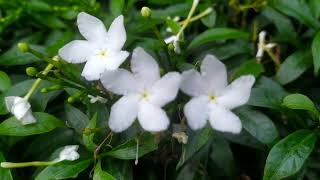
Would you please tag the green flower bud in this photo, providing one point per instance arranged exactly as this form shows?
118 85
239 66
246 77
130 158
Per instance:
31 71
171 47
24 47
145 12
71 100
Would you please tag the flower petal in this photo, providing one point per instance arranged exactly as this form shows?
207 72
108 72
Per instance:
94 68
192 83
69 153
144 66
116 59
152 118
91 28
123 113
117 34
9 101
237 93
196 112
77 51
20 107
120 82
224 120
214 73
28 118
165 89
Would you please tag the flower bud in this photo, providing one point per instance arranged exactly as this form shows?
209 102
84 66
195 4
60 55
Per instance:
24 47
171 47
31 71
71 100
145 12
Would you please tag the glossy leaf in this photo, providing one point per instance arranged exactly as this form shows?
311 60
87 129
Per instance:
99 174
5 81
250 67
88 138
76 118
300 101
288 155
316 53
45 123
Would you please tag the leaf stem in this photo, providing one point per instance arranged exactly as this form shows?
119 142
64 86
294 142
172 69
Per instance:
27 164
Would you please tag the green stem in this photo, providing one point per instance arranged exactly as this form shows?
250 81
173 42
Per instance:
199 16
43 57
37 83
27 164
186 22
274 59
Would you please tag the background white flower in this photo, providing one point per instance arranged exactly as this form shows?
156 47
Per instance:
101 51
69 153
213 98
144 93
20 108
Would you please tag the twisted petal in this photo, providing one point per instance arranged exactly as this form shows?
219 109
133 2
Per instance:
69 153
224 120
196 112
91 28
123 113
77 51
237 93
152 118
214 73
144 66
120 82
192 83
116 59
165 89
28 118
20 108
117 34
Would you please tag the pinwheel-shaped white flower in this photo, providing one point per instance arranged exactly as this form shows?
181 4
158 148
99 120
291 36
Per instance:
212 97
102 49
144 93
69 153
20 108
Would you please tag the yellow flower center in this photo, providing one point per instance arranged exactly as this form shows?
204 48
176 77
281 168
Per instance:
212 98
103 54
144 95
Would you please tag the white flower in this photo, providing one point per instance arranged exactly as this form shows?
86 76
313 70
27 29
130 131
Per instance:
213 98
69 153
262 46
94 99
144 93
102 49
175 41
20 108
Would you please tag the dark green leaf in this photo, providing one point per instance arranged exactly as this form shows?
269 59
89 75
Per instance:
99 174
5 174
288 155
210 19
5 81
174 10
64 170
316 53
76 118
315 8
116 7
88 138
258 125
217 34
45 123
293 67
300 101
250 67
14 57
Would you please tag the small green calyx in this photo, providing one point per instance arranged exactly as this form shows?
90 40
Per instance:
23 47
145 12
31 71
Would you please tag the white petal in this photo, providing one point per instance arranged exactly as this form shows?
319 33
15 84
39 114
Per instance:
91 28
196 112
214 73
77 51
94 68
28 118
152 118
166 89
120 82
117 34
116 59
144 66
69 153
9 100
123 113
192 83
170 39
20 107
237 93
224 120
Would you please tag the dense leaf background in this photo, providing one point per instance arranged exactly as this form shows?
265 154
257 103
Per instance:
280 121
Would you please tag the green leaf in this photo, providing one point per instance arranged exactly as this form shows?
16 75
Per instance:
128 149
250 67
217 34
288 155
99 174
64 170
5 174
116 7
300 101
5 81
210 19
296 9
45 123
315 8
173 25
14 56
76 118
172 11
88 138
196 140
293 67
258 125
267 93
315 47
